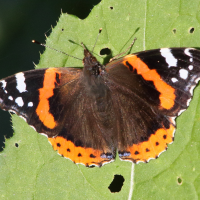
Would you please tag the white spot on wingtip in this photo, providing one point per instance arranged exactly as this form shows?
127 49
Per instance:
30 104
19 101
10 98
183 73
190 67
174 80
4 83
20 79
187 52
170 59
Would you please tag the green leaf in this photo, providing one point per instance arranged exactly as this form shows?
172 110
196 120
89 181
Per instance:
30 169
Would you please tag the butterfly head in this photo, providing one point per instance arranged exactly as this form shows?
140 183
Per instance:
91 65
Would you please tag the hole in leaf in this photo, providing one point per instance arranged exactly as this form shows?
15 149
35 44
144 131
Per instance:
111 7
191 30
62 29
105 51
16 144
174 31
179 180
116 184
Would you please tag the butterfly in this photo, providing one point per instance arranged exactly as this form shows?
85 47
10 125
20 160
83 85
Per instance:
128 105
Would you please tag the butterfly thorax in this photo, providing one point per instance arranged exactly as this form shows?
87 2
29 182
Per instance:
95 88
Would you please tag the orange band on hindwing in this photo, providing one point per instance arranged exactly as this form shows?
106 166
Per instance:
167 93
83 155
156 144
44 94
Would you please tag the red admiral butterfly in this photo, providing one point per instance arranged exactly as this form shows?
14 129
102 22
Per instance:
128 105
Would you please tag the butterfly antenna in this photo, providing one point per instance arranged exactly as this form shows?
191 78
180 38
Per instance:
97 39
124 52
44 45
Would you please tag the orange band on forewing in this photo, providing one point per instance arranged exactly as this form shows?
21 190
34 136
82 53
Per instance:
44 94
167 95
